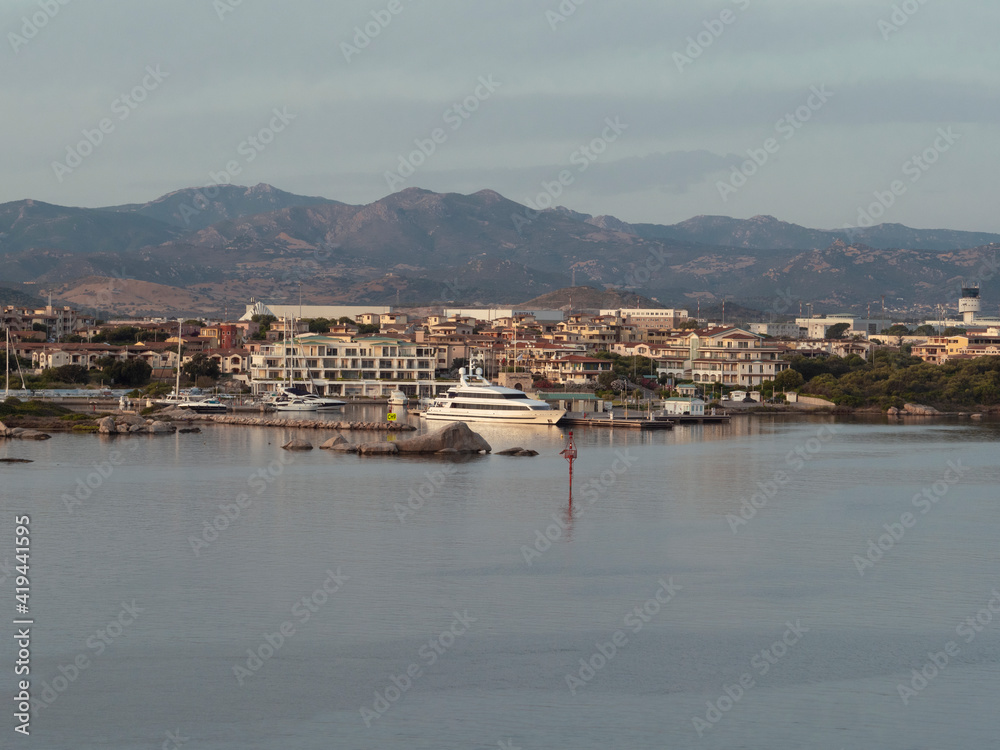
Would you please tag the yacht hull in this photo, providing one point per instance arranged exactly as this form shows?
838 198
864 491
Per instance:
549 417
296 407
205 408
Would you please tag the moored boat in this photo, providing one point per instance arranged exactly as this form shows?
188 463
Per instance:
475 399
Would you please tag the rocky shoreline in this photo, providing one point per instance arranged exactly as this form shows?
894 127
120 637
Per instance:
309 424
168 421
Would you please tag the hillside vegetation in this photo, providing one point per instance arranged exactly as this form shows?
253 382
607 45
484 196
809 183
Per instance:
895 378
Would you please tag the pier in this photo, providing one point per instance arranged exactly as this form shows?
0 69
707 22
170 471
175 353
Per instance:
603 419
632 423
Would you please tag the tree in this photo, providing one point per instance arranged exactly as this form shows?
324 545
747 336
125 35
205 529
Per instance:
367 329
39 327
129 373
193 322
690 323
67 374
201 366
119 336
954 331
319 325
925 330
605 379
897 330
263 323
837 330
788 380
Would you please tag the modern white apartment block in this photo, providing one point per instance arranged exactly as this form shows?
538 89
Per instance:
330 366
649 317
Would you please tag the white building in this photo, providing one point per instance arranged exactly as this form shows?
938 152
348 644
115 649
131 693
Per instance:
328 366
777 330
817 326
649 317
330 312
684 405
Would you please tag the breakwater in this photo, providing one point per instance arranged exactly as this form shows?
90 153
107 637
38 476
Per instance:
307 424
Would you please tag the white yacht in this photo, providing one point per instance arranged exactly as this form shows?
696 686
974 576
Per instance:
196 403
296 398
475 399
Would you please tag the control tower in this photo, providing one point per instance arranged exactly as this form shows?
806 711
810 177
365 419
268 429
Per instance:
968 305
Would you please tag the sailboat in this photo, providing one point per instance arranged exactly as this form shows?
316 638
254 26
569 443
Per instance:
6 388
287 399
203 405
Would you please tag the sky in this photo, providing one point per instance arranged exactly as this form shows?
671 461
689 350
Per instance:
827 113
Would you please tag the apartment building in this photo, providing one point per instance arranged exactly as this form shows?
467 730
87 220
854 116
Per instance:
939 349
574 369
332 366
648 317
58 321
735 357
44 356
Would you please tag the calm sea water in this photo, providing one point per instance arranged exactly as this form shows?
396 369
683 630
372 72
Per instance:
460 619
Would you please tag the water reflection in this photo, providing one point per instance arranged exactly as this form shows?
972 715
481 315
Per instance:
645 506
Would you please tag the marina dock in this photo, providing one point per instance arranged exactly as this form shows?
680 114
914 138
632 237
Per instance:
632 423
640 422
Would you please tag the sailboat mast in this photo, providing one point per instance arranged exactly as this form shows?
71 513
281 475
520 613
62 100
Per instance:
177 387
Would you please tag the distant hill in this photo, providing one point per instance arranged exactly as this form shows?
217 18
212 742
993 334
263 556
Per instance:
19 297
418 247
588 298
768 233
196 208
33 225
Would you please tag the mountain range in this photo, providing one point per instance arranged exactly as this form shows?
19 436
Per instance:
206 250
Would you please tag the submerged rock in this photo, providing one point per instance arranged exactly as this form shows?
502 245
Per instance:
518 451
297 444
330 444
455 435
33 435
920 410
377 449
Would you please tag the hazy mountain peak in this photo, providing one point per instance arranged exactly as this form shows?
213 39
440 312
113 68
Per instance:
611 223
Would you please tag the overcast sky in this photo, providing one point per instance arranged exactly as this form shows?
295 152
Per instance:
694 91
